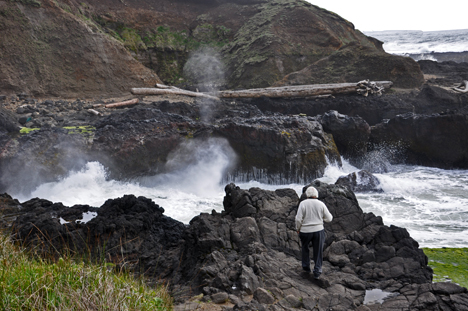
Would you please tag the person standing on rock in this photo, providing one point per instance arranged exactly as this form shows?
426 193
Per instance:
309 225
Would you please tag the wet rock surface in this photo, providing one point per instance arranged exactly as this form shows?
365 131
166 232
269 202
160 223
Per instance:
351 134
430 140
139 141
360 181
247 255
287 140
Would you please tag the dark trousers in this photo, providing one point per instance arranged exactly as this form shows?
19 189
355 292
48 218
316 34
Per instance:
317 239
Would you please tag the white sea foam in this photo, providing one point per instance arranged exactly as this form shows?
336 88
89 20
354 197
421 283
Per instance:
422 42
431 203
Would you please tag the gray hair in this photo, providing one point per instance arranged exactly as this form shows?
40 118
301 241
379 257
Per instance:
311 192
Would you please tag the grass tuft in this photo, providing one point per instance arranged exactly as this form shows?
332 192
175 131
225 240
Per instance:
449 264
31 283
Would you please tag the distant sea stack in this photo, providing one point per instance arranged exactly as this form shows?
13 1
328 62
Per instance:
86 48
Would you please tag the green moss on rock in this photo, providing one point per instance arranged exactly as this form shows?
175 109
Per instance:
449 264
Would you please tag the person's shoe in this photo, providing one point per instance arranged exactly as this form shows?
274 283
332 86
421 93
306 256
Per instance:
316 276
306 270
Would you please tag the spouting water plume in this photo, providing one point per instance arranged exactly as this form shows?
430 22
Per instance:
205 71
196 167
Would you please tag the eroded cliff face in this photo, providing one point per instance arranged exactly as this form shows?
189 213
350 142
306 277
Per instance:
47 51
84 48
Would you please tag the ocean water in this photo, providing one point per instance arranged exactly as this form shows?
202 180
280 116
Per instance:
403 42
431 203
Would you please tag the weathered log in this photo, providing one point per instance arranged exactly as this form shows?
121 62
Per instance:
175 91
460 89
123 104
299 90
163 86
95 112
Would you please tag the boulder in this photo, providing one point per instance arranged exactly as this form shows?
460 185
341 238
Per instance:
360 181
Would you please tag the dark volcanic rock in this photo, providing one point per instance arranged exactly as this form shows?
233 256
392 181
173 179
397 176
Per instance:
433 140
249 249
41 156
433 99
144 141
359 182
373 109
351 134
8 121
446 73
279 149
254 253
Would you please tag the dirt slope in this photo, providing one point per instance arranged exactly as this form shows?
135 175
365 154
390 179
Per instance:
47 51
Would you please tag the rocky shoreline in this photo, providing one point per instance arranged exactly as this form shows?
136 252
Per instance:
298 136
247 256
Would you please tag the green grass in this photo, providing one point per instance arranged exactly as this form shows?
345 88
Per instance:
32 283
449 264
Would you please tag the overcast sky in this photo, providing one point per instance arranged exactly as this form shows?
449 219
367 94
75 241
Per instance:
400 14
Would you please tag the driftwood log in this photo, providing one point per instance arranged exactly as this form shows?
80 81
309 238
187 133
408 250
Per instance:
170 90
94 112
460 89
314 90
123 104
300 90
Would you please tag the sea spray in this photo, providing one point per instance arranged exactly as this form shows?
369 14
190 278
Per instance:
196 166
431 203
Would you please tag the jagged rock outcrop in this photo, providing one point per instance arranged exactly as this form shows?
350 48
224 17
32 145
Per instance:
251 248
351 134
360 181
279 149
26 161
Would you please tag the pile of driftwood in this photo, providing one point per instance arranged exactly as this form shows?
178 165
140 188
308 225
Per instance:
363 87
